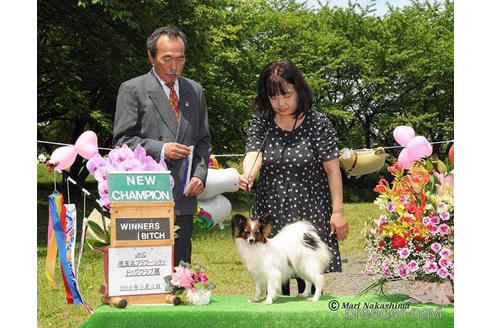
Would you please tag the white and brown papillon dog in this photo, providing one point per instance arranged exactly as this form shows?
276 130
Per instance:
295 250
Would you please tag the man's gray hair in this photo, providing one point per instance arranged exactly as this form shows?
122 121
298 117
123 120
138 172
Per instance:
171 32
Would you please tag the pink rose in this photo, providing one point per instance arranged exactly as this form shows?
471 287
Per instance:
444 229
426 220
443 272
445 252
413 266
404 253
443 263
430 267
434 220
436 247
444 215
403 270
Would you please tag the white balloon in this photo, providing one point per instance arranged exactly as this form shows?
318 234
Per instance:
219 207
219 181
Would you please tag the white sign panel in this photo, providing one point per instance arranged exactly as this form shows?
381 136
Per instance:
138 270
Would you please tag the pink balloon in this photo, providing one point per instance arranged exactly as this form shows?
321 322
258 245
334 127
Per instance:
403 159
86 145
419 148
64 156
403 134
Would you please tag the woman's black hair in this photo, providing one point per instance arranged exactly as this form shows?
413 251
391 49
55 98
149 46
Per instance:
273 81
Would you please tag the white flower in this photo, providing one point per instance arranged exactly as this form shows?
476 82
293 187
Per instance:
41 158
199 297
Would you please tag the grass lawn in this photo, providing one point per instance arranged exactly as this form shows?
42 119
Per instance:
215 249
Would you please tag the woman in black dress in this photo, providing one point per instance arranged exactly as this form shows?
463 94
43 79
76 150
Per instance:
294 149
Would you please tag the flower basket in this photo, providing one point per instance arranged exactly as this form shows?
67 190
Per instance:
413 239
432 292
192 286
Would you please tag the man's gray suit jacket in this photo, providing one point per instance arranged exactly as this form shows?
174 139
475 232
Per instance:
144 116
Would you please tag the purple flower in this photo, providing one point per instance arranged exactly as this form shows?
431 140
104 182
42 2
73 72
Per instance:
101 173
139 153
120 154
95 162
129 165
149 164
434 229
102 188
403 200
104 200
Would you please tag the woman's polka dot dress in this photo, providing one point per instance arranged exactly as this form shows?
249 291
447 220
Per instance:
293 185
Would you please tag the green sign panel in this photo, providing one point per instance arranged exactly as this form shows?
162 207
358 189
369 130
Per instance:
139 187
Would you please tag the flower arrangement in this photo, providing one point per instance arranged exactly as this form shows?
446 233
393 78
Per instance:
121 159
192 286
413 238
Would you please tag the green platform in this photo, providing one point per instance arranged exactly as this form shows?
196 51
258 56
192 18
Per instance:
234 311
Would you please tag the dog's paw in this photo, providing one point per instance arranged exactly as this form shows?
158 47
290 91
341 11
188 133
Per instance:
253 300
313 299
267 302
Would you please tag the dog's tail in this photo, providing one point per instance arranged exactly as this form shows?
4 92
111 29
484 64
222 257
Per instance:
312 241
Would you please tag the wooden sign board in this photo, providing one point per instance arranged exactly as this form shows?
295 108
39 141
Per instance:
142 224
141 252
137 271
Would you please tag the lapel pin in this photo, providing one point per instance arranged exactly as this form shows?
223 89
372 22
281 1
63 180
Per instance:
187 104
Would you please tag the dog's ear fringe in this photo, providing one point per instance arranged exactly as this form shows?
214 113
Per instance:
238 221
266 218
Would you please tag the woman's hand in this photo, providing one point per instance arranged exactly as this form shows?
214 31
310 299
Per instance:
244 182
339 225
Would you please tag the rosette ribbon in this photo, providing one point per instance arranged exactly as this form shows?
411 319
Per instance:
62 227
205 220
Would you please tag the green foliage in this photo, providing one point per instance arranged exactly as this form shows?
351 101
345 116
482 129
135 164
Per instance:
368 73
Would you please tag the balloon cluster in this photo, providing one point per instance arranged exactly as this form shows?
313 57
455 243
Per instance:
415 147
86 146
214 208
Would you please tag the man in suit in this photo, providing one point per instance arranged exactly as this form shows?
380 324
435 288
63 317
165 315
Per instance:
166 113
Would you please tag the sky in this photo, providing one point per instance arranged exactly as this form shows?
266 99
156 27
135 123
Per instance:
380 4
